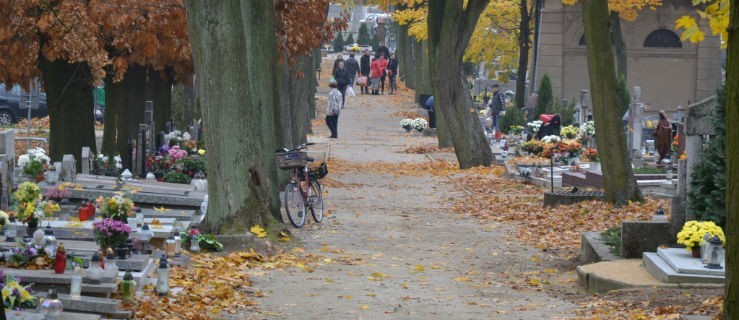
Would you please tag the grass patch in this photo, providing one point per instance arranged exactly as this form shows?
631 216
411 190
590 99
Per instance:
612 237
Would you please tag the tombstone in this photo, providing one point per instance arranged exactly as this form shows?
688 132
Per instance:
141 148
636 115
697 125
7 146
86 160
584 106
678 206
149 121
69 168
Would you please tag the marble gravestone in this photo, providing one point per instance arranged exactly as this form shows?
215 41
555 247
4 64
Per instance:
69 168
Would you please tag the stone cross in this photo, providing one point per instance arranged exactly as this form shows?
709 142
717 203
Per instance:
584 106
698 124
69 168
86 159
142 145
149 121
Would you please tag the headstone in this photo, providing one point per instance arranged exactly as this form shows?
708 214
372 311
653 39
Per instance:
141 150
638 237
678 207
149 121
86 160
636 115
584 106
69 168
7 145
194 131
4 186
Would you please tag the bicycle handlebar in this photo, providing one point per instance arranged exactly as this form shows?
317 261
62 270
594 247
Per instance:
300 147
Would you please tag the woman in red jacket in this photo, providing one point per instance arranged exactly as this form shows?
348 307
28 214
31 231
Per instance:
383 71
375 73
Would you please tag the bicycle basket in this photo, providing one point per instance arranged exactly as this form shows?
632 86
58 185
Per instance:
315 172
291 160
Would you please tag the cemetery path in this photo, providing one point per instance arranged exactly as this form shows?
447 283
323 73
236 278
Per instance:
392 249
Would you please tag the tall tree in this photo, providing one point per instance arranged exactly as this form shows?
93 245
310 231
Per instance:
233 46
339 43
618 177
450 26
545 98
731 298
51 41
350 39
363 37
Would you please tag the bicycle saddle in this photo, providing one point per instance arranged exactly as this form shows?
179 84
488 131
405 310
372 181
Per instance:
309 159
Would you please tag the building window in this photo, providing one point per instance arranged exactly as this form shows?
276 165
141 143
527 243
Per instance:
582 41
662 38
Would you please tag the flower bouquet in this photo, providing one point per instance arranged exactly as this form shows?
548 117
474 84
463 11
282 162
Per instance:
407 124
58 193
516 130
535 147
29 257
15 296
591 154
534 126
568 132
551 139
109 232
693 232
27 195
4 218
419 124
107 166
117 207
34 162
587 130
46 209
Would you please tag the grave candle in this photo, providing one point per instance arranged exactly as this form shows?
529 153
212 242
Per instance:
82 212
75 288
169 245
128 286
60 262
163 277
91 210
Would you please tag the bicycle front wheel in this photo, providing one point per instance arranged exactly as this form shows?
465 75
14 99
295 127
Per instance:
315 201
294 205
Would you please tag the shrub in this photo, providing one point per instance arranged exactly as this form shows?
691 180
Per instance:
513 117
176 177
545 99
612 237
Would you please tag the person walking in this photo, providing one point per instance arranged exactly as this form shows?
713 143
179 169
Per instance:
352 67
339 58
663 137
333 108
375 72
342 80
392 73
496 106
383 71
364 69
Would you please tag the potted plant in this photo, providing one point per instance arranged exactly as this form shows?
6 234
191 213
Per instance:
15 296
592 155
117 207
407 124
33 163
419 124
27 196
109 233
693 232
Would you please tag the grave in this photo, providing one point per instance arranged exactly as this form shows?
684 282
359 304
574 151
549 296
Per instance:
69 168
556 198
676 265
86 160
638 237
26 315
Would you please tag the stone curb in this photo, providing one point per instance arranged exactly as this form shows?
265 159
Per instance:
593 249
597 284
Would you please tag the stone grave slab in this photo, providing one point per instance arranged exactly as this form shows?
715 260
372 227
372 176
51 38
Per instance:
662 271
638 237
683 262
143 191
96 305
135 262
48 277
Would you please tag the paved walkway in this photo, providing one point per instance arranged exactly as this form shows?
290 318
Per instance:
393 250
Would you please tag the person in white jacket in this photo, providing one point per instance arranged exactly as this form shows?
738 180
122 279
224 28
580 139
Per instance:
333 108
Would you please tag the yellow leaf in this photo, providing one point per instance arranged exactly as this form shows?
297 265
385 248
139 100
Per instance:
364 307
462 279
258 231
419 267
404 285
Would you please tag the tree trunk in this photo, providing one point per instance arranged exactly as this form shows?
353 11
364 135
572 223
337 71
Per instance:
731 299
524 40
617 40
159 91
620 184
403 54
234 52
183 110
69 100
450 28
124 111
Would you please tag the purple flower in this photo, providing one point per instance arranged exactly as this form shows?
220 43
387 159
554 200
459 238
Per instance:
16 293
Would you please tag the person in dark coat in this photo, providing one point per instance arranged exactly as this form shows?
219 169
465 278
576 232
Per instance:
392 73
342 80
352 67
339 58
551 127
663 137
364 69
382 49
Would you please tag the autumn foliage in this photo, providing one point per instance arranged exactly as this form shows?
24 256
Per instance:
302 25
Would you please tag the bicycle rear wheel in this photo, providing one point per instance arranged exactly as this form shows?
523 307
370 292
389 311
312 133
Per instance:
294 205
315 201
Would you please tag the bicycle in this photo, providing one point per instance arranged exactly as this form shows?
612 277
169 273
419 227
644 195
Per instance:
303 191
